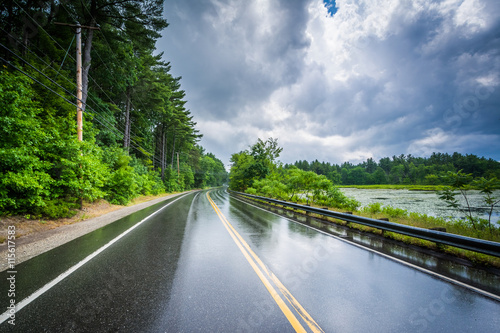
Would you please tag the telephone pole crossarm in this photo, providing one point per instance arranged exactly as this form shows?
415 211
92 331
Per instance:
77 26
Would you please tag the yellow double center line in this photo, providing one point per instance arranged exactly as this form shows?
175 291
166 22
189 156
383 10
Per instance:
266 276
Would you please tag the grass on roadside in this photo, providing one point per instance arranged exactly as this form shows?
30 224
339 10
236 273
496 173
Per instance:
145 198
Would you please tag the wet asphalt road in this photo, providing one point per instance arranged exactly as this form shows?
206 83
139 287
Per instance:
184 270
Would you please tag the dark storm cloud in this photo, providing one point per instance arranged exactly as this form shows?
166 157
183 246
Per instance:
375 79
230 54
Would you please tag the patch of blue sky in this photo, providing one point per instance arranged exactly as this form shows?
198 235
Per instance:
331 6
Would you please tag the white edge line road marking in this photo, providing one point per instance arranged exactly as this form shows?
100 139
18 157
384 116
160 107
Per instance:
419 268
64 275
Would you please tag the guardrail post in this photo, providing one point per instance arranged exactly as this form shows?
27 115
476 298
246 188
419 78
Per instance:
347 223
382 231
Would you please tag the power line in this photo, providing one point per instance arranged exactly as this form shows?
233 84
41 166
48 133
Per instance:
112 128
36 69
70 93
116 61
55 41
96 114
29 64
49 65
20 70
39 25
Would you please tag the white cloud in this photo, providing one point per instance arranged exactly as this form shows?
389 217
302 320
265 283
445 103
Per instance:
438 140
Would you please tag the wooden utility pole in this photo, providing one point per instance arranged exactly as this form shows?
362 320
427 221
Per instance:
79 103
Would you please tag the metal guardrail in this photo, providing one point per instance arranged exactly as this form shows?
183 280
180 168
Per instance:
463 242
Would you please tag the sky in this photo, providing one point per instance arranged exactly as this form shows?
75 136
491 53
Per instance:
339 81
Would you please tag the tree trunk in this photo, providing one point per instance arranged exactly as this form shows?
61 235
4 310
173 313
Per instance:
173 151
163 155
86 64
126 134
86 54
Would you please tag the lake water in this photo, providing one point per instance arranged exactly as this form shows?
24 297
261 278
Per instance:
424 202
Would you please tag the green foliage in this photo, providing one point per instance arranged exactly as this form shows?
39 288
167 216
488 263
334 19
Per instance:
241 176
289 183
270 187
338 199
461 183
46 173
394 212
264 153
128 177
56 209
78 170
376 208
487 186
208 171
253 164
24 177
40 172
44 170
373 208
187 176
172 183
122 186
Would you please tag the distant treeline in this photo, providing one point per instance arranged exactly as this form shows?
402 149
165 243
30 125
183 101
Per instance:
403 169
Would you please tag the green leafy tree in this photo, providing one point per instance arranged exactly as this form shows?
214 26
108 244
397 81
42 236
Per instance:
334 176
487 188
24 178
379 176
265 154
461 183
242 174
253 164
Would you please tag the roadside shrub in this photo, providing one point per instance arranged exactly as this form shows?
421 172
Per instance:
56 209
251 190
187 176
270 188
123 183
172 182
153 184
394 212
122 186
24 179
336 198
373 208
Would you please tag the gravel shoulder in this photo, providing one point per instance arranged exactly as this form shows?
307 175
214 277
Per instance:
36 243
